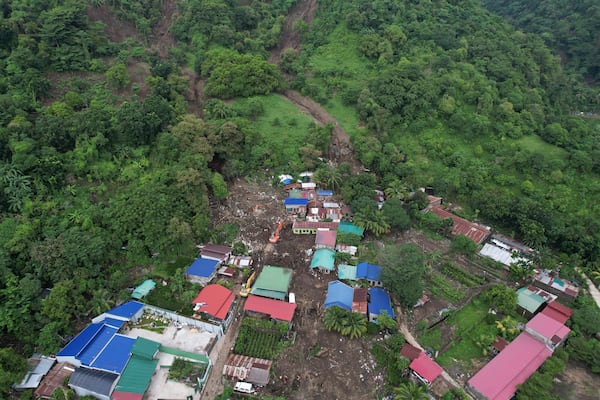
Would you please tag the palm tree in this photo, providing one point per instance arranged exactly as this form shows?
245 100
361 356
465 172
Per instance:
354 325
333 318
410 391
386 322
374 222
398 189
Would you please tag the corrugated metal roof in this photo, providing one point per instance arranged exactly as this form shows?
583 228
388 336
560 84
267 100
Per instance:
323 258
529 300
203 267
547 326
314 225
215 300
80 341
498 379
93 380
426 367
347 271
113 357
325 238
290 201
145 348
239 366
273 282
276 309
379 301
339 294
349 227
143 289
126 310
461 226
368 271
54 379
137 375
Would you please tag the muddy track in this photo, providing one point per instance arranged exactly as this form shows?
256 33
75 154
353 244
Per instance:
340 146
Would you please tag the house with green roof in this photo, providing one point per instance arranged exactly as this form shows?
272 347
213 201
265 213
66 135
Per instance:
138 372
529 301
323 260
273 282
346 227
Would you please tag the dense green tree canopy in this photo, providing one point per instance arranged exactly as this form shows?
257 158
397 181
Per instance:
403 269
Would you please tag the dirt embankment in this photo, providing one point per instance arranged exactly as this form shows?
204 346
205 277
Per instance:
304 10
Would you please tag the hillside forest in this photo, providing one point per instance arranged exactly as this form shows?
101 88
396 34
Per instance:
123 121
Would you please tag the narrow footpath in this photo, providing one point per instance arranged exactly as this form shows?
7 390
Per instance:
594 292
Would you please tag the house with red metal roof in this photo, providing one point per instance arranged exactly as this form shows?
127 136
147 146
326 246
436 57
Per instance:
425 369
548 330
557 311
275 309
475 232
498 379
325 239
216 302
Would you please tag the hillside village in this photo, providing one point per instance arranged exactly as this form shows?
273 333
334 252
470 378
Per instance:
254 309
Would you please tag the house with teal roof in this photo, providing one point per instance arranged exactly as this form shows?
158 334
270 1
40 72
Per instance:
324 260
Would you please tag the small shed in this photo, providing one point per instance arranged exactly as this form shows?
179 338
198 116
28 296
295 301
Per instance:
218 252
360 300
410 352
339 294
249 369
324 260
143 290
53 380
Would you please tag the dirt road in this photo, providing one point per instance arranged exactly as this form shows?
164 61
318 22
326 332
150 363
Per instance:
594 292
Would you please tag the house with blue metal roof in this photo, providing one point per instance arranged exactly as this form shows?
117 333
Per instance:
324 260
339 294
202 270
295 205
98 346
379 302
370 272
129 311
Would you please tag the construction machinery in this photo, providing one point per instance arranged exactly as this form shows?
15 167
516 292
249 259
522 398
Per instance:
245 291
275 236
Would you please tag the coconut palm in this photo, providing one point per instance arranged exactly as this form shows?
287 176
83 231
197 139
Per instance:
397 189
374 222
354 325
410 391
333 318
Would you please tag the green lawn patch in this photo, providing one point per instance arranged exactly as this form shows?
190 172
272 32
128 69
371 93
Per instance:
536 144
432 339
283 129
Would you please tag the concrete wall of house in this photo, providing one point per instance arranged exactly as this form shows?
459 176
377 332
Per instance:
216 329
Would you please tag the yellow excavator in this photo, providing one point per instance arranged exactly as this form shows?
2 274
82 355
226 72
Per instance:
245 291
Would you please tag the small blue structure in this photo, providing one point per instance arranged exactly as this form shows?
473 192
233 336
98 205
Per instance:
324 193
346 271
379 301
339 294
370 272
202 270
